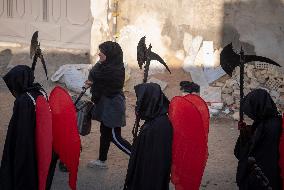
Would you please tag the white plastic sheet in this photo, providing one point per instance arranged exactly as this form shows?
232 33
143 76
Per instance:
73 76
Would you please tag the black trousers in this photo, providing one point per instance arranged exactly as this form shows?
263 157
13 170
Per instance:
112 135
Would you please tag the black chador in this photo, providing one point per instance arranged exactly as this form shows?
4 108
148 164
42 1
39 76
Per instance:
18 166
150 161
260 142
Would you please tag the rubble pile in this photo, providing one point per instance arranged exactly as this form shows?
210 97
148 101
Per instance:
257 75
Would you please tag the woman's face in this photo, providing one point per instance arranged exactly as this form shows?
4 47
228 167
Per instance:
102 57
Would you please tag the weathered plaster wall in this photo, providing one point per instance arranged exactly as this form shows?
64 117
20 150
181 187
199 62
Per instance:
100 29
257 25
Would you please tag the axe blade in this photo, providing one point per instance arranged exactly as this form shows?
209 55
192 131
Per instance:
250 58
154 56
34 44
141 52
229 60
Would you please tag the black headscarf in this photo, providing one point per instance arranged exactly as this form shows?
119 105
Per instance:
20 79
113 53
108 77
151 101
258 105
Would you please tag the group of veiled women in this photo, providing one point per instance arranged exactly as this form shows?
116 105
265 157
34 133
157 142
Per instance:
150 153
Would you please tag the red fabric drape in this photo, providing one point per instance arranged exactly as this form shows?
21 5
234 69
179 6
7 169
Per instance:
43 138
189 149
66 139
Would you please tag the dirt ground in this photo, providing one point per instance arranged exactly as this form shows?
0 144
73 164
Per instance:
221 165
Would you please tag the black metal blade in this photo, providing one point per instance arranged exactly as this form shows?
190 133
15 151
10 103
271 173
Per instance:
250 58
141 52
229 60
34 43
154 56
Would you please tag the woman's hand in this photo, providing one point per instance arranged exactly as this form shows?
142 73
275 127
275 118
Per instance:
88 84
241 125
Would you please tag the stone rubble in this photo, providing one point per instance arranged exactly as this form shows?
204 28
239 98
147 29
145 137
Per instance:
257 75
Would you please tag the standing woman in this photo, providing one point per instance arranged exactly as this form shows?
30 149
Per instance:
150 161
18 170
106 79
261 142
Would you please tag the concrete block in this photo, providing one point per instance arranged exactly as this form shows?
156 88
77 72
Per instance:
236 87
219 84
217 106
231 82
281 100
227 90
236 116
246 78
250 73
210 94
249 67
229 100
263 72
261 80
253 84
281 90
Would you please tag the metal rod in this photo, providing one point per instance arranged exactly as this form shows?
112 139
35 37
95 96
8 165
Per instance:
242 62
80 96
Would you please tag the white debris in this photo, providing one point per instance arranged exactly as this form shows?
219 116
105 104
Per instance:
196 73
236 116
208 54
229 100
210 94
213 112
213 73
73 76
217 57
227 90
217 106
226 111
219 84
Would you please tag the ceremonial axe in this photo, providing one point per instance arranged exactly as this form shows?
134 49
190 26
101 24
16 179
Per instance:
145 54
35 53
229 60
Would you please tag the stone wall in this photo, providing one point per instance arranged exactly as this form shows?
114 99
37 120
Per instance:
257 25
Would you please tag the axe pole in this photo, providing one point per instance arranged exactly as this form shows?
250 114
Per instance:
146 70
242 63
